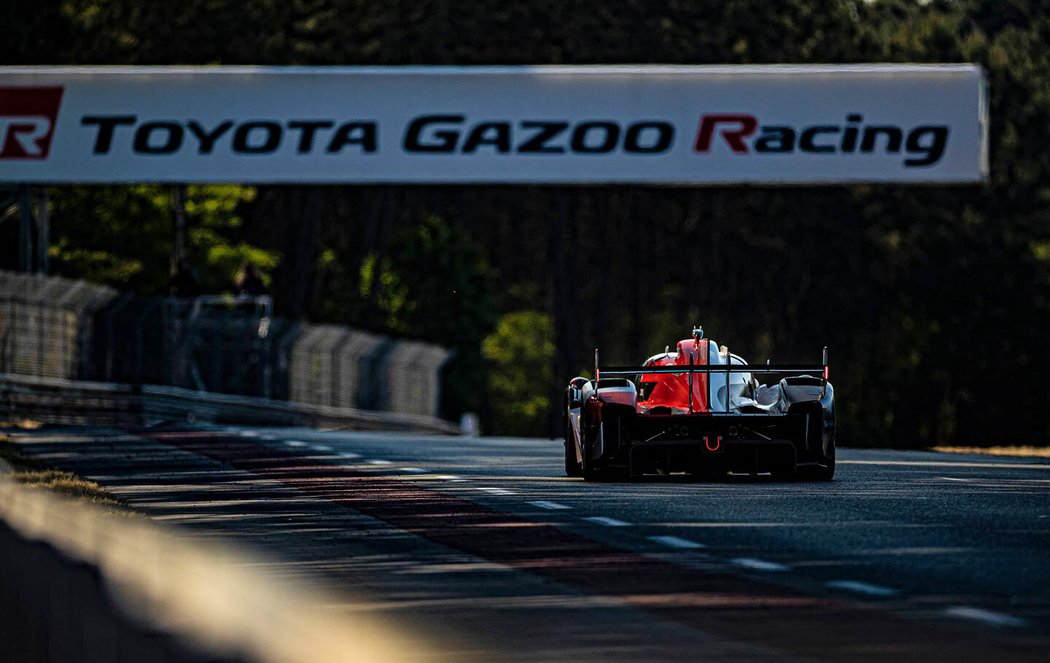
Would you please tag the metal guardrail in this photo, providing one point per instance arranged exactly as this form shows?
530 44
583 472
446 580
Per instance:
59 401
68 402
79 584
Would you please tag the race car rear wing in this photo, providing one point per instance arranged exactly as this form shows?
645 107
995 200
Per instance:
727 369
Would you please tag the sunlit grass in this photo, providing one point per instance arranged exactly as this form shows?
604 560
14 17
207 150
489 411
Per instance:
29 473
25 424
68 485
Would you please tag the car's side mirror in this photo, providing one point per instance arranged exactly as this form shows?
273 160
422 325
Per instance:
575 397
574 393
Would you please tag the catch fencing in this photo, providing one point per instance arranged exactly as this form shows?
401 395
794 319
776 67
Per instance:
42 330
52 327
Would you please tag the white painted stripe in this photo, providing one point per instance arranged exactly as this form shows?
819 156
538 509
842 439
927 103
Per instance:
376 461
608 522
249 433
414 470
759 564
295 443
458 480
553 506
985 616
446 477
676 542
267 438
497 491
861 587
955 479
321 447
982 466
349 454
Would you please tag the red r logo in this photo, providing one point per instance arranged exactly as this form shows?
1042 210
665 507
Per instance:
734 129
27 121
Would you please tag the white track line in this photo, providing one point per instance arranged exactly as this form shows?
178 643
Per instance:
267 438
377 461
321 447
861 588
295 443
414 470
249 433
445 477
981 466
955 479
496 491
349 454
676 542
985 616
608 522
552 506
759 564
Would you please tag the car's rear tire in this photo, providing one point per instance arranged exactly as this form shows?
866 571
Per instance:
788 473
827 471
572 466
824 471
589 471
587 468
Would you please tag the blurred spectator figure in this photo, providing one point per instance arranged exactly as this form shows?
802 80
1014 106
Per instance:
248 281
184 281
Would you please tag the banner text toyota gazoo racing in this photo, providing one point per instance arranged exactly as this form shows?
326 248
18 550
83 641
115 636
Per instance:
651 125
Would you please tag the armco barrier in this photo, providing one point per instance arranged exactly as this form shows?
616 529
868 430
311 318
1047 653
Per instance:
72 402
58 401
79 584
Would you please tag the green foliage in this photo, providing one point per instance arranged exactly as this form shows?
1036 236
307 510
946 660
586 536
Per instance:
434 284
519 356
122 235
119 235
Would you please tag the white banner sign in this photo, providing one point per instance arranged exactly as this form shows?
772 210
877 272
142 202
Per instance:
550 124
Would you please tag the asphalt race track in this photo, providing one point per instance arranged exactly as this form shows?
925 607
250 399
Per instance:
484 545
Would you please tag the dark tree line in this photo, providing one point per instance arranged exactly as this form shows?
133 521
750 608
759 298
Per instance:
933 300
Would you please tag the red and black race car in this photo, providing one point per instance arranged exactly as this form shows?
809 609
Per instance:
701 410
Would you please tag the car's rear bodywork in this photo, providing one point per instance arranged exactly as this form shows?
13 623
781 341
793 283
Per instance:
701 409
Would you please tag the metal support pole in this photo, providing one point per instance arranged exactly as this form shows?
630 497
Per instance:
25 229
178 245
43 233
